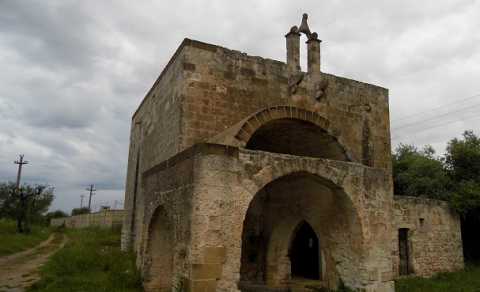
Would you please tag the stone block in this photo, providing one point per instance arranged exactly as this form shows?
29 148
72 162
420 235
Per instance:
206 271
215 255
201 286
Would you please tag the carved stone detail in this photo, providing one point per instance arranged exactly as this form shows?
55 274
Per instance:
320 88
304 26
293 82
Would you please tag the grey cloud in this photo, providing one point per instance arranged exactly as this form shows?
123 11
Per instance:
73 72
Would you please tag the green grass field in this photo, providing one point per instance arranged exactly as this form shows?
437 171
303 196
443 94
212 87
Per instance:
463 281
12 242
91 261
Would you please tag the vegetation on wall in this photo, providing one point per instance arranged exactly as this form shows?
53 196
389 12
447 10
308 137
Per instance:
54 214
419 172
79 211
454 177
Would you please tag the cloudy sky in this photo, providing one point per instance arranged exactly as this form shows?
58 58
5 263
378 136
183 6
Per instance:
73 72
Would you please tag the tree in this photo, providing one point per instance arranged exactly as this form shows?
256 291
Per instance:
463 166
463 158
419 172
79 211
55 214
25 205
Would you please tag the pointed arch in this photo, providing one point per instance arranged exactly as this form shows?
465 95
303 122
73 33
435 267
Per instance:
304 252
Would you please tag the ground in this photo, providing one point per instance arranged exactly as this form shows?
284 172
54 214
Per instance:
91 261
462 281
20 270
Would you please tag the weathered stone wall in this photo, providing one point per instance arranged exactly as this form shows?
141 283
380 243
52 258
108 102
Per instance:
162 248
206 171
155 136
105 218
435 241
206 89
223 87
227 179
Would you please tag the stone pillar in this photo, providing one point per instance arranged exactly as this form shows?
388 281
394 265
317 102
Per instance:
293 50
313 54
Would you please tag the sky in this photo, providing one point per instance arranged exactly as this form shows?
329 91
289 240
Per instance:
73 72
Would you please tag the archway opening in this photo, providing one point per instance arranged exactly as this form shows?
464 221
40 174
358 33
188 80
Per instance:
159 273
296 137
305 253
279 247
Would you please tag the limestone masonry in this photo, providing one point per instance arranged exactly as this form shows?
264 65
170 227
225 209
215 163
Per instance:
248 174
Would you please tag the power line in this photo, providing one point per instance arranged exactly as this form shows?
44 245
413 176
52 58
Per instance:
459 101
433 118
438 125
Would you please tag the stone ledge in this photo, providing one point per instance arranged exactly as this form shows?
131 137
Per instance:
232 151
203 148
420 200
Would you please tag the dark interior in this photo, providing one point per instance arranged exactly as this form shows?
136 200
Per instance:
304 253
296 137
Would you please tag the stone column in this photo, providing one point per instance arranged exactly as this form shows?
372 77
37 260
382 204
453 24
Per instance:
293 50
313 54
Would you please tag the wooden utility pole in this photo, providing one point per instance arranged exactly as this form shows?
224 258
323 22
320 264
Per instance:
20 163
81 200
21 216
91 189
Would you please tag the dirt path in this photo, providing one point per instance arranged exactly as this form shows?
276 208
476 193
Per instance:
20 270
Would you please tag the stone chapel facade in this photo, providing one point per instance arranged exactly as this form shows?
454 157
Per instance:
247 174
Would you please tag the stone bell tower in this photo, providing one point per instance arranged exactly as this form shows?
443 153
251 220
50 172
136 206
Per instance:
293 48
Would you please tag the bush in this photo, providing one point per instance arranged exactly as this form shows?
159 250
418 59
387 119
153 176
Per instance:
12 242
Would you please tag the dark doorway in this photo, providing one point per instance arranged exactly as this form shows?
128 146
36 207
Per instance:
304 253
404 251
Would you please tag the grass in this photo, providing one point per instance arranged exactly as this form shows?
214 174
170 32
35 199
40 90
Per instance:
462 281
91 261
12 242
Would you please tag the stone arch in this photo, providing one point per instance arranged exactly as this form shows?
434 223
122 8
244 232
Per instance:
292 130
271 240
159 252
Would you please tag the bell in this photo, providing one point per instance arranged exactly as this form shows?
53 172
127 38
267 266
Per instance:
304 26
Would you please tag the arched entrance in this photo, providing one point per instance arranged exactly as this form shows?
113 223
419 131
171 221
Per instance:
160 248
304 253
298 228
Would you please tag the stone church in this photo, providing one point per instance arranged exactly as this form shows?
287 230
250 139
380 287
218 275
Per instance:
249 174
